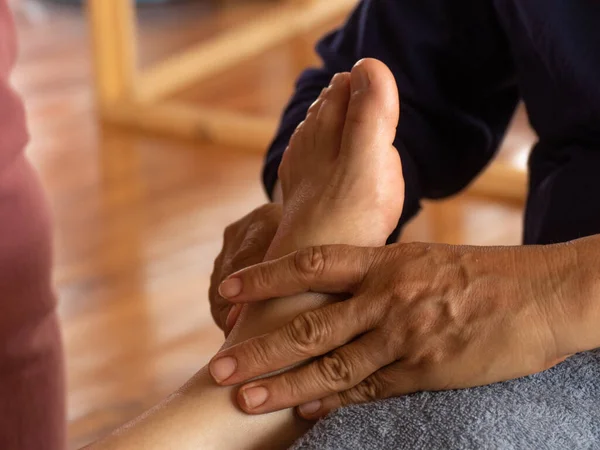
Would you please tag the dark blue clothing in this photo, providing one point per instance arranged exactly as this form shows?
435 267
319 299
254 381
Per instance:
461 67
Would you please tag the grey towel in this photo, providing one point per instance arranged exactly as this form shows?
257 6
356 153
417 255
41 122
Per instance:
556 409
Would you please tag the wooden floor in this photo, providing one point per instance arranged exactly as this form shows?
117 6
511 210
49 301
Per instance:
139 218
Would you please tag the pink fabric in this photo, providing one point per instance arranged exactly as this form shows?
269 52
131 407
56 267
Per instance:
32 407
13 132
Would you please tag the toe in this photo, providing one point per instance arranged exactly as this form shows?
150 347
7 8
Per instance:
373 111
331 118
313 110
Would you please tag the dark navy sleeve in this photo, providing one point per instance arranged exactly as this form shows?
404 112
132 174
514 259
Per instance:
456 81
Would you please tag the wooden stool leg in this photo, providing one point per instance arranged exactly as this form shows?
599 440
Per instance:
112 24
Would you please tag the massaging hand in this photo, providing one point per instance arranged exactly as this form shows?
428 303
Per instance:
419 317
245 243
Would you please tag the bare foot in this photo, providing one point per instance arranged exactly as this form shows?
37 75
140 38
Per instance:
341 179
341 176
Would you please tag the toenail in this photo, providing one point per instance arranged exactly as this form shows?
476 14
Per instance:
360 79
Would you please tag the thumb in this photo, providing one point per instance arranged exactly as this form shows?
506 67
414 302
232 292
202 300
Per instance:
326 269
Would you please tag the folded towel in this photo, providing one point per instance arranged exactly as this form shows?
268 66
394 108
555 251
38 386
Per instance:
556 409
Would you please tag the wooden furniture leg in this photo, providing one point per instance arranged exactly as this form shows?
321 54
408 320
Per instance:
114 50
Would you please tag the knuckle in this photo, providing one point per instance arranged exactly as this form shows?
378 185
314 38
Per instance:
430 357
335 370
292 386
256 354
370 389
262 279
307 331
310 262
425 358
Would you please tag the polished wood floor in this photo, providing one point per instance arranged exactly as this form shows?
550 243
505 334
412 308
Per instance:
139 218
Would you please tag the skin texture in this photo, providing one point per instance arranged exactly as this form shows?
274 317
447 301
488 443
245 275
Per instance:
418 317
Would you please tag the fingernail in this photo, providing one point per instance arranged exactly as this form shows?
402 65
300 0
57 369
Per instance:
254 397
222 368
232 316
230 288
310 408
360 79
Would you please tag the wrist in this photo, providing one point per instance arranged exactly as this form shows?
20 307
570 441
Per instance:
576 316
588 280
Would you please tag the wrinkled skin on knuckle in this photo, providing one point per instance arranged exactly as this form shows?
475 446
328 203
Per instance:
261 280
335 371
307 332
428 358
428 350
292 386
369 390
256 354
310 262
373 388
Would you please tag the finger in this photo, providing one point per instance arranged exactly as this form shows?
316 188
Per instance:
232 317
325 269
218 305
252 247
310 334
391 381
336 372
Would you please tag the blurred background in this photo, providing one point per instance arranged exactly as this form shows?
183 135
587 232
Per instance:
139 216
